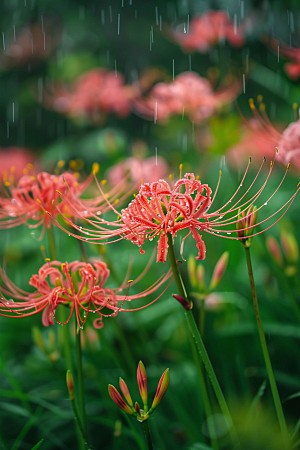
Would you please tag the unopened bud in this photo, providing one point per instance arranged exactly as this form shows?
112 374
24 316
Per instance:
219 271
191 267
38 338
274 250
142 384
289 246
70 385
201 277
137 408
185 303
161 388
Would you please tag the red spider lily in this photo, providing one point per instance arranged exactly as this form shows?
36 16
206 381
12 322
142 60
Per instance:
33 195
262 137
158 210
77 285
189 94
208 30
95 94
136 411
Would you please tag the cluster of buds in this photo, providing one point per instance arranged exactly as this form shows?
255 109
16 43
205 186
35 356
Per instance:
197 274
135 410
290 257
246 224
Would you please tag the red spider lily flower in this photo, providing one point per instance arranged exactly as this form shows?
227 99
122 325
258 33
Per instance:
208 30
189 94
136 411
77 285
159 209
262 138
94 95
33 195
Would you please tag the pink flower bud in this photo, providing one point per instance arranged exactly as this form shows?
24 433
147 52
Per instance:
137 408
219 271
142 384
289 246
274 250
70 385
185 303
125 392
161 388
116 397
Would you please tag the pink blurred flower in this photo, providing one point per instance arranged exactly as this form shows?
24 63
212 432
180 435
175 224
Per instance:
292 53
208 30
77 285
189 94
93 95
15 162
31 44
35 197
158 210
148 170
261 139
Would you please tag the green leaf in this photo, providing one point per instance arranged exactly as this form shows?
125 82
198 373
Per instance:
38 444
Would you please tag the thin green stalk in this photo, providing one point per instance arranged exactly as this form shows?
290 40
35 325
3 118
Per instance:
205 397
199 342
51 243
80 377
147 434
135 433
79 423
202 318
264 347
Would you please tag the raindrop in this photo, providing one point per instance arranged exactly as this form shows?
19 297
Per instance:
265 204
228 233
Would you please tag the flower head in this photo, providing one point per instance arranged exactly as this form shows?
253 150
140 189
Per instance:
33 198
77 285
189 94
127 406
159 210
208 30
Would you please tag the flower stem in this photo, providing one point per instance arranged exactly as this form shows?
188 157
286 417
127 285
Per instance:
199 342
79 424
80 378
264 347
147 434
51 242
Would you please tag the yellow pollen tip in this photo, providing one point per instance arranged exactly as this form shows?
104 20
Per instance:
134 195
6 183
76 184
129 281
61 163
58 192
39 201
103 181
251 103
42 248
95 168
12 169
288 166
142 181
259 98
53 202
220 172
62 266
262 107
271 163
170 177
47 259
295 105
72 164
298 185
180 166
32 177
25 171
76 175
30 166
116 201
197 177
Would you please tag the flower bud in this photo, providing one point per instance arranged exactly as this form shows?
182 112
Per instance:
274 250
219 271
142 384
137 408
70 385
116 397
185 303
201 277
191 267
289 246
125 392
38 339
161 388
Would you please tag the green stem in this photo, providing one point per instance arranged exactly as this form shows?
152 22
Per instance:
199 342
79 423
51 243
80 377
147 434
274 389
202 318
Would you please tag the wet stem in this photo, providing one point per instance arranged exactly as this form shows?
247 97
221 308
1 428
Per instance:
80 378
202 353
147 434
264 347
